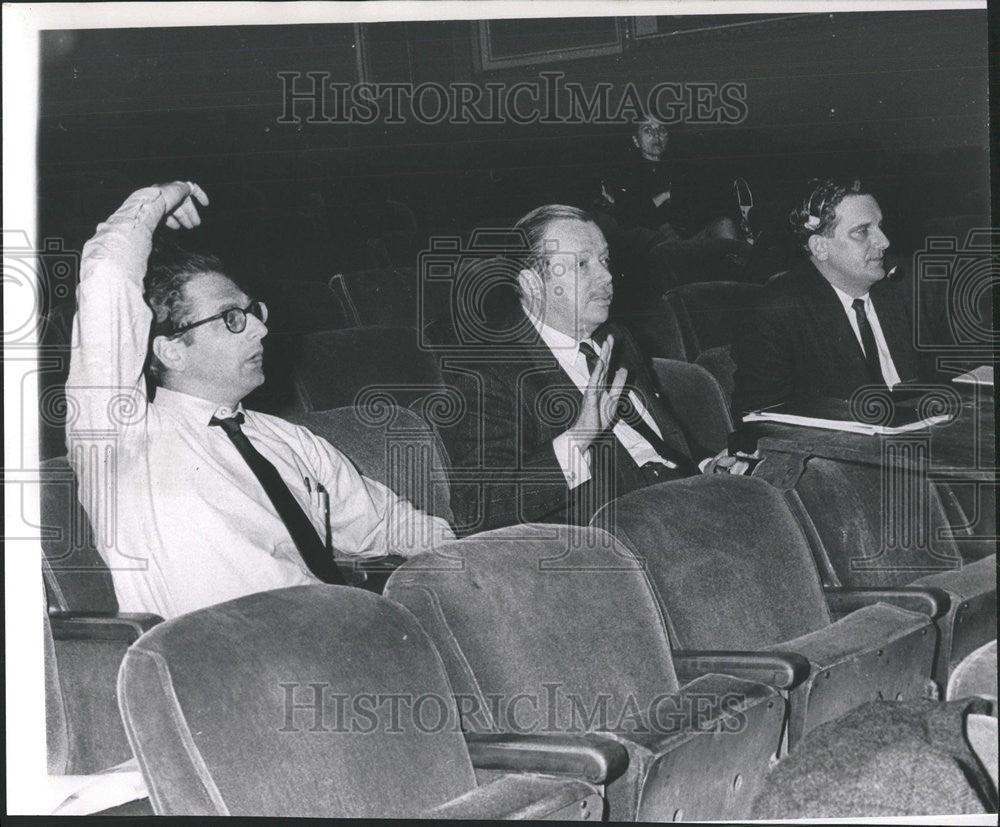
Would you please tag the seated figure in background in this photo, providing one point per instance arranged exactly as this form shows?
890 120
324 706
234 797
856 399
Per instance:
652 192
193 499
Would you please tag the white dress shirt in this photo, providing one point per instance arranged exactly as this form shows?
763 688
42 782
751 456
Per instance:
884 357
178 516
575 464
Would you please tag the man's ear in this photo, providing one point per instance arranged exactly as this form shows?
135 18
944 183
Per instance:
635 141
172 353
818 247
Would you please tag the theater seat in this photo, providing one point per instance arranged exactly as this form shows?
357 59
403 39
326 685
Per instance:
656 330
54 348
392 296
397 448
709 313
335 368
89 635
300 306
329 369
857 544
733 570
555 630
280 704
698 400
674 264
392 445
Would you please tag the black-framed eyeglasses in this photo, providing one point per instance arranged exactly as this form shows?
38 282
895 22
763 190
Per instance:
235 318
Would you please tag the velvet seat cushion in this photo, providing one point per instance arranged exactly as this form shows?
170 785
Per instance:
234 709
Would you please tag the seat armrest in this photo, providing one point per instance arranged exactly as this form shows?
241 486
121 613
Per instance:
595 758
928 600
369 573
782 670
123 627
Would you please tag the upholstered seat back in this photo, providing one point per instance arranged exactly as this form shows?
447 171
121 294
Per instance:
872 537
529 611
334 368
730 563
698 401
319 701
76 577
300 306
393 446
710 312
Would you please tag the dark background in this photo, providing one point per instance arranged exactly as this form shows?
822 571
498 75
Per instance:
899 99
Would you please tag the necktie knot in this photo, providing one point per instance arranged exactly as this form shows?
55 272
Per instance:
229 424
858 305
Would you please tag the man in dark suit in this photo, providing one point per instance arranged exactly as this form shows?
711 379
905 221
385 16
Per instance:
834 323
545 436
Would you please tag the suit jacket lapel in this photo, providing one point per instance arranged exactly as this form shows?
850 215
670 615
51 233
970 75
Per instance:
847 359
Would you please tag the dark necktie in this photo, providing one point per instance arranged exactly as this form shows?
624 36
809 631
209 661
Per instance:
314 553
634 419
868 342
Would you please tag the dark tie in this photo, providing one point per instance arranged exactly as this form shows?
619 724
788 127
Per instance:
868 342
314 553
631 415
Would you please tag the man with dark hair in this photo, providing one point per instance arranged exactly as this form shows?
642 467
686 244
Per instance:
193 499
833 324
563 415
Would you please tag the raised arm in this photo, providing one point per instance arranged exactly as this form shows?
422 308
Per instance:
111 329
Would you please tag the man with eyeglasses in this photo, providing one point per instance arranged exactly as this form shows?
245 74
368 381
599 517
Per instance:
193 499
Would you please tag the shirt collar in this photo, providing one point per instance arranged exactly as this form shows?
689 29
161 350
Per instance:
193 407
848 300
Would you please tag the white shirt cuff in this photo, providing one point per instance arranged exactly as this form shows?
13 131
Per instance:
575 464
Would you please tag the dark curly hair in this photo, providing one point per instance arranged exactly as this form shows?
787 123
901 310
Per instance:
168 271
817 214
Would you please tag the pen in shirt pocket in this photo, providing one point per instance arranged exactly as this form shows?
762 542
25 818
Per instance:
319 498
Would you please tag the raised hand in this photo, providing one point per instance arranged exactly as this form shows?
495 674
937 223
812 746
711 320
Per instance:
180 209
599 401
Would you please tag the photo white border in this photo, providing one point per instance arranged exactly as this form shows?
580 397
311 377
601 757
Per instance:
25 696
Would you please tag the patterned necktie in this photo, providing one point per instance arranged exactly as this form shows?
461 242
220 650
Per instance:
314 552
868 342
634 419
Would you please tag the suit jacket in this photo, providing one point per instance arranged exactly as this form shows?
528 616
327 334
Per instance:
798 342
517 400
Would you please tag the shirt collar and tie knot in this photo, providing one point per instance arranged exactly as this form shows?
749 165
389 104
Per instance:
587 349
229 424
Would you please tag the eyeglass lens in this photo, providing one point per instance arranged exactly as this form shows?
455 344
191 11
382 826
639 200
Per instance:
236 318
